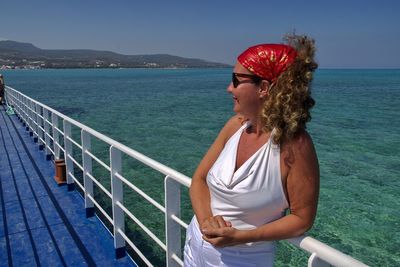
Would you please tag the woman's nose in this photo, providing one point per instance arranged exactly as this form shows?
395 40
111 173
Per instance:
229 88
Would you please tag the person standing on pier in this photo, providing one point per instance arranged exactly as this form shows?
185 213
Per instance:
259 181
2 86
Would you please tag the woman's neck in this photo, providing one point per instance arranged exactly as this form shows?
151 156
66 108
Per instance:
255 127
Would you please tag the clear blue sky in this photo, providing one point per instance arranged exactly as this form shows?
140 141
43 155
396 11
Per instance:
349 34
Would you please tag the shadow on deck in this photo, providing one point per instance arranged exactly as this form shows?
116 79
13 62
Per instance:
42 223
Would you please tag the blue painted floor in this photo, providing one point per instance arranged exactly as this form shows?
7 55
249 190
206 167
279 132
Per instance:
41 223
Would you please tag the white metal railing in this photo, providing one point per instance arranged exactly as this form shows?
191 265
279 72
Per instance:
43 124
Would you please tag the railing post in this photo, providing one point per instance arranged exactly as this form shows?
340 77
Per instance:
31 124
21 114
22 110
18 100
117 196
69 165
34 127
19 105
172 229
26 124
46 133
14 99
36 138
14 102
87 169
56 136
41 135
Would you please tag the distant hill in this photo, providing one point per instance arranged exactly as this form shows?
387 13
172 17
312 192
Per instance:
17 54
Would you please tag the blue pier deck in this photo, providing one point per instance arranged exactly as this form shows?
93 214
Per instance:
42 223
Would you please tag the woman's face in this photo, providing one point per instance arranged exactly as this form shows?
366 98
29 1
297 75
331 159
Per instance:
247 98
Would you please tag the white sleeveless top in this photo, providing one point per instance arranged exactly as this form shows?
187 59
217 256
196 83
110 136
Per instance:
253 195
248 198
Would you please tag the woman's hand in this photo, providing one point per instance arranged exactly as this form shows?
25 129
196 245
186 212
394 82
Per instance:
219 232
213 222
222 237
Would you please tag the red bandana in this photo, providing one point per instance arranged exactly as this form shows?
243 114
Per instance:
268 60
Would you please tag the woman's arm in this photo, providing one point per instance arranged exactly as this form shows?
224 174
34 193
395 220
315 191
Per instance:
303 189
199 192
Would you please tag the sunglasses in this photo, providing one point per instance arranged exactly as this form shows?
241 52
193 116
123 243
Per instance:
252 79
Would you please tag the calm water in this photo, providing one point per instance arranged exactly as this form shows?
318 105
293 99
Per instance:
174 115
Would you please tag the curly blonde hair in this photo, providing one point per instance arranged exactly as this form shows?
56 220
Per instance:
287 108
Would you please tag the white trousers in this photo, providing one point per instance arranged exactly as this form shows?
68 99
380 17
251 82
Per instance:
199 253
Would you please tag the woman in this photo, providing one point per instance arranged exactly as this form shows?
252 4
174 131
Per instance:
262 163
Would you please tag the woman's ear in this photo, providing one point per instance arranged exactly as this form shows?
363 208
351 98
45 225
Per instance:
264 89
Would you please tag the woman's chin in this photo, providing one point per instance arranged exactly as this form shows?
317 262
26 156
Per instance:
238 112
236 108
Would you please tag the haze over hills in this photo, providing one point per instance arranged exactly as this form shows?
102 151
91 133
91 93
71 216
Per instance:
17 55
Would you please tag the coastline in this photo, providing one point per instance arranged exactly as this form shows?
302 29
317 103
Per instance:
115 68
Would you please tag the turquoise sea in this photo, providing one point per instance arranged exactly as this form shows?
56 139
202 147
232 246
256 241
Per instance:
173 115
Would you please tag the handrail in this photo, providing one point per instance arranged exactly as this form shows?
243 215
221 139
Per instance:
123 148
30 112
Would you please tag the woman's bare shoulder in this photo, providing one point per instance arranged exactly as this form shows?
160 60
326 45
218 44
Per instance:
298 150
231 126
302 141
